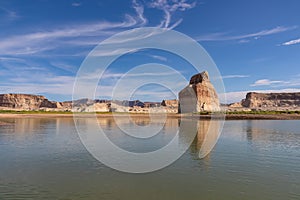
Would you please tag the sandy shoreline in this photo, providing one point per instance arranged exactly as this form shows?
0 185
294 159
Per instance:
109 115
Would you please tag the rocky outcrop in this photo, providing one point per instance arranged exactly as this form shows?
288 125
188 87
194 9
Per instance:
271 100
199 95
94 107
19 102
173 103
26 101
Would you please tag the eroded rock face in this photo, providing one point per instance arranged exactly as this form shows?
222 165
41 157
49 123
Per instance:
199 95
173 103
25 101
269 100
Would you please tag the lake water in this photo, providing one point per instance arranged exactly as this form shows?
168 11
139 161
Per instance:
45 159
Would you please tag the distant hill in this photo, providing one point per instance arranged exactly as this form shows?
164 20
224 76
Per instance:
38 102
269 101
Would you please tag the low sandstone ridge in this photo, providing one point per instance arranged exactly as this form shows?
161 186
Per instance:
268 102
29 102
26 102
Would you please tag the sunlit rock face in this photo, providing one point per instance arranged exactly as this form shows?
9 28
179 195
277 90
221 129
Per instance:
199 95
25 101
170 103
269 100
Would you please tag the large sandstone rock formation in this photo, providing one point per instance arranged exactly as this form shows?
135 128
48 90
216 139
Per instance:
26 102
271 100
199 95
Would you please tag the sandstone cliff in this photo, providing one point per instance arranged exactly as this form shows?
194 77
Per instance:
19 102
199 95
26 102
269 100
173 103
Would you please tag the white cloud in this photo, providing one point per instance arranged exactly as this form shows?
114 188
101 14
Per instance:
292 42
110 51
278 83
242 38
265 82
61 85
76 4
243 41
11 59
235 76
232 97
64 66
161 58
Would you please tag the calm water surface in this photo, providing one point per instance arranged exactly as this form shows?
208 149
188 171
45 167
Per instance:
44 159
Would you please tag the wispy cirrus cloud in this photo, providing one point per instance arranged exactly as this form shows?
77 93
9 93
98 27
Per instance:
277 83
291 42
265 82
235 76
243 37
42 41
76 4
64 66
169 8
88 34
157 57
9 14
139 9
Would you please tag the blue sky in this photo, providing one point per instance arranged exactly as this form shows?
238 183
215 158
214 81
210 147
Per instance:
255 44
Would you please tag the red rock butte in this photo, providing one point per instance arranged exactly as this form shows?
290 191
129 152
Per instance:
200 95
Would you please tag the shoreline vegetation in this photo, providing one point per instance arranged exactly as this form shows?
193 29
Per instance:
229 115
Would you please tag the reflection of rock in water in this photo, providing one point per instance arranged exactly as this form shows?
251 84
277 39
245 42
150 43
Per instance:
187 130
30 126
207 134
2 123
138 120
129 133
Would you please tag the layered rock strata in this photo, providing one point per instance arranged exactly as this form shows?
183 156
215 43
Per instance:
200 95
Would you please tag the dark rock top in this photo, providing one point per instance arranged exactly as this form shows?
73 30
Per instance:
198 78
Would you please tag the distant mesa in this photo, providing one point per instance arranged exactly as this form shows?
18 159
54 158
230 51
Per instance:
200 95
27 102
254 99
268 101
30 102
